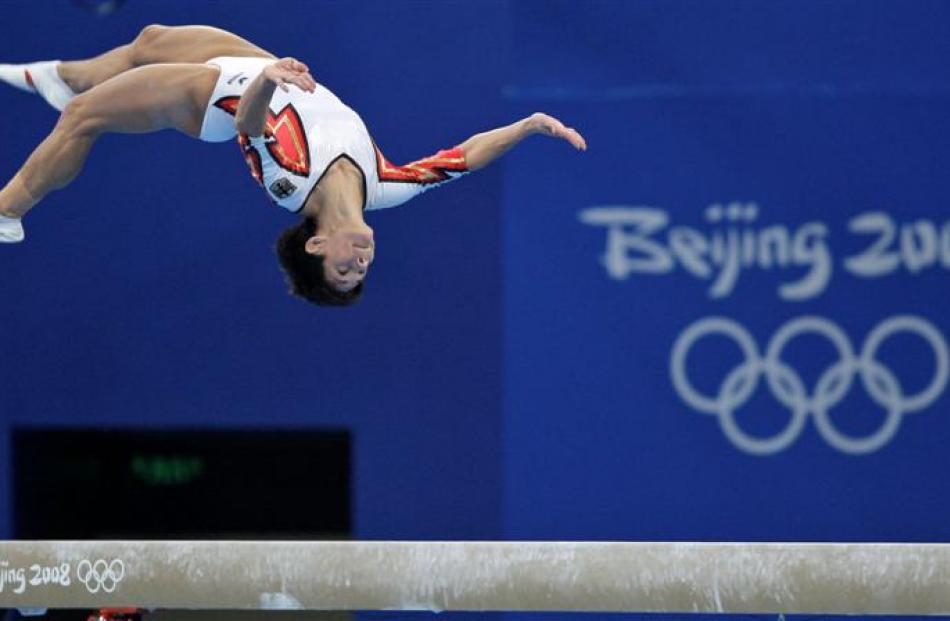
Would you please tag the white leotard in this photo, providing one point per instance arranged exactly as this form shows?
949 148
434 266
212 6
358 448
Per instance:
305 133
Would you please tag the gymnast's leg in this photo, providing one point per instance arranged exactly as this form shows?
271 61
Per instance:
141 100
58 82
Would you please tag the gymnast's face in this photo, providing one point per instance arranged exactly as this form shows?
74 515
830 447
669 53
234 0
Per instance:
347 254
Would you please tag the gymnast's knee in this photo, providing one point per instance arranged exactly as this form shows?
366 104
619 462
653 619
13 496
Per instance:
78 120
145 42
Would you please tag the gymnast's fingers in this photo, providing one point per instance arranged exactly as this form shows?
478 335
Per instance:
303 83
574 137
309 82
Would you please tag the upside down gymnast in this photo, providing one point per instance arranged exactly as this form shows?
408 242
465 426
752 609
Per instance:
310 153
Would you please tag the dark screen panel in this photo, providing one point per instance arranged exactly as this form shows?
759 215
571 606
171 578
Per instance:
77 484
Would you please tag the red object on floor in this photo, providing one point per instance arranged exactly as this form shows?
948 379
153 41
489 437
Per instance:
117 614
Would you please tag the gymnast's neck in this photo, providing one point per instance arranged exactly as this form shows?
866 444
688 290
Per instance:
337 201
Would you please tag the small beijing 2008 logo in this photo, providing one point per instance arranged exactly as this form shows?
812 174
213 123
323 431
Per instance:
101 575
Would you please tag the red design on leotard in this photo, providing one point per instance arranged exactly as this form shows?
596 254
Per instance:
284 136
253 158
29 78
289 146
228 104
434 169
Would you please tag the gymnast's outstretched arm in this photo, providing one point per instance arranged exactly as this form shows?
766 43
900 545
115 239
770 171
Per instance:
401 183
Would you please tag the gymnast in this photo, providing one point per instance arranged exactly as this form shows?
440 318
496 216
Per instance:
310 153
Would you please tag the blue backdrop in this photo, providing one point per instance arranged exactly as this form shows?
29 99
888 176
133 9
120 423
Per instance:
722 322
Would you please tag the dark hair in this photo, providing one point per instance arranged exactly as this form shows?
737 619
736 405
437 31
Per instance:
304 271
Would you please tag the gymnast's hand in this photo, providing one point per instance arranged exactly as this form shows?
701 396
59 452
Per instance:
290 71
540 123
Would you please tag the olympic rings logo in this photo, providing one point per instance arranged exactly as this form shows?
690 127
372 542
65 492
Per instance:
101 575
787 386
